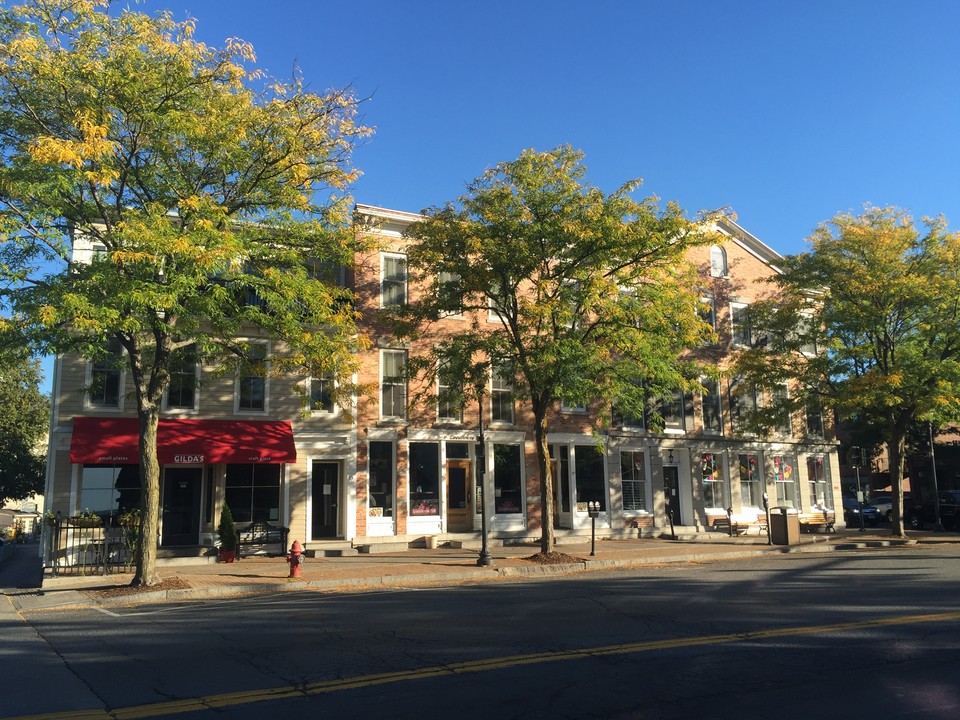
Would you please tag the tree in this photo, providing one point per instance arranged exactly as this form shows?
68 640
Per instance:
595 303
880 300
23 426
192 180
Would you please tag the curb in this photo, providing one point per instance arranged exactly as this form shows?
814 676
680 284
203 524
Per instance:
77 598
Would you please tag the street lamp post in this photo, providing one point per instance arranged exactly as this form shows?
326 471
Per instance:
485 559
856 455
937 523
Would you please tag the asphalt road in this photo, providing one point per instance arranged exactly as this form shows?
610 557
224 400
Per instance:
860 634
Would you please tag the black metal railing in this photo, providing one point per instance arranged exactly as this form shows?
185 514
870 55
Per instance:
88 545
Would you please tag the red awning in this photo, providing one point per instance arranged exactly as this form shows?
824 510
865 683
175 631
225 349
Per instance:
115 441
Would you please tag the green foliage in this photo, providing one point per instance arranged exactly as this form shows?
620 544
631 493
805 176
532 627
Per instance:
880 298
23 426
152 186
594 302
227 530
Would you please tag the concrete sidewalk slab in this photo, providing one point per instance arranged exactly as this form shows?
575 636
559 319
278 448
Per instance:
419 567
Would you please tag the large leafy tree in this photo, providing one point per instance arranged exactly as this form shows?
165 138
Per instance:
23 426
879 299
594 301
200 183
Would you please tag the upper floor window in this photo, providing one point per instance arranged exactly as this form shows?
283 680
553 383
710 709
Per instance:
814 420
808 337
184 376
501 394
393 384
779 397
674 411
744 400
712 406
498 299
741 332
327 272
321 394
106 378
393 280
449 392
450 286
718 262
707 311
252 380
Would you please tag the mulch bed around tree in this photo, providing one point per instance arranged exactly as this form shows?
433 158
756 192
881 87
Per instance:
553 558
170 583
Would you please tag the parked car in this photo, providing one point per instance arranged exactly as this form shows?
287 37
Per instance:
884 504
925 513
851 513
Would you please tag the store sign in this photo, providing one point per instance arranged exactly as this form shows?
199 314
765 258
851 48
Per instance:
187 459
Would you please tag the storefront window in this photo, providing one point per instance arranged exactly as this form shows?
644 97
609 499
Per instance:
712 480
382 483
633 481
751 492
785 478
253 492
817 487
110 489
424 479
591 486
507 488
560 457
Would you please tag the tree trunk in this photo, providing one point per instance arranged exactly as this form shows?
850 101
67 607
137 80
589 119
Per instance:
896 449
547 539
146 573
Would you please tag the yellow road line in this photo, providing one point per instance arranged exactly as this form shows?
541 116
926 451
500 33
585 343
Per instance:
246 697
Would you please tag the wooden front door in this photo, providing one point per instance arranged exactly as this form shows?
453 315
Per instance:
181 506
459 508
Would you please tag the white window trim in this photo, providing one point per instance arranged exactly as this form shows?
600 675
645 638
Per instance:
646 480
320 412
720 409
445 418
734 307
513 401
179 409
725 265
406 276
266 384
454 277
89 405
406 388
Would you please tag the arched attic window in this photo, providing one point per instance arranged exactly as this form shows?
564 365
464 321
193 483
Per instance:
718 261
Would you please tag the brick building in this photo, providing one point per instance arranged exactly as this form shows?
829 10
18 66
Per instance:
384 470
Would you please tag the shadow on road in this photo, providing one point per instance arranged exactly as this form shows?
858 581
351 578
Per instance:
23 569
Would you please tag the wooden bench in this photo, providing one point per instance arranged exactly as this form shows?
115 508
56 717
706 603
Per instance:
740 524
259 537
817 521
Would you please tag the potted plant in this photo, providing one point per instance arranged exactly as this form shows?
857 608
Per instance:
228 535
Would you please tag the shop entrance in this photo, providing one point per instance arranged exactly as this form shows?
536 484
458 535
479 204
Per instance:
459 508
671 491
325 491
181 506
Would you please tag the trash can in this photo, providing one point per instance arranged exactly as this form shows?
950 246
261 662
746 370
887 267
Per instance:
784 526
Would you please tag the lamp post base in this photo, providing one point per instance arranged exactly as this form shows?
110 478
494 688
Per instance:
485 559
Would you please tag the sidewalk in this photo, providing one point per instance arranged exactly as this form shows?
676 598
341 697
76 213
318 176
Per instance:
414 567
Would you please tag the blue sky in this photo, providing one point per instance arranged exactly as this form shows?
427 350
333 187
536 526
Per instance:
786 112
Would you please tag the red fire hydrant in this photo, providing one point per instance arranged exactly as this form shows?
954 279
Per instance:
295 558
